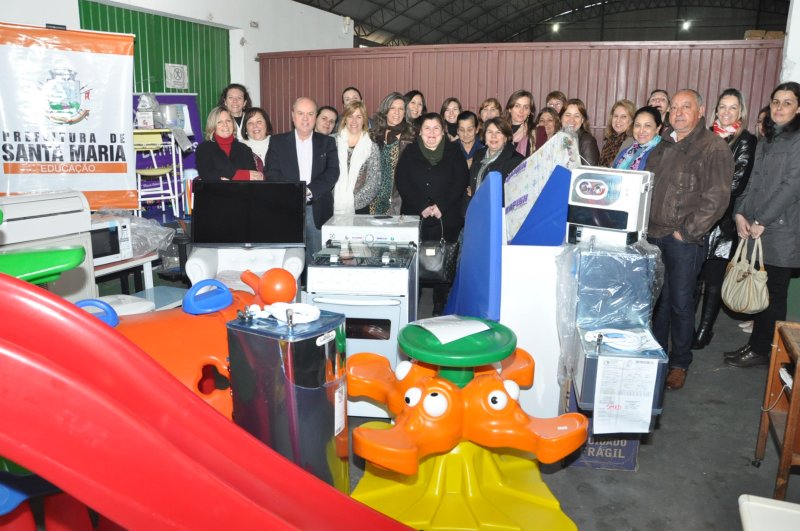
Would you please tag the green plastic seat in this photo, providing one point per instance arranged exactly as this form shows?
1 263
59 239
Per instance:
458 359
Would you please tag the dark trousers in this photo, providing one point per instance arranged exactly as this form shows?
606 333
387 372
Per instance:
313 236
673 317
764 322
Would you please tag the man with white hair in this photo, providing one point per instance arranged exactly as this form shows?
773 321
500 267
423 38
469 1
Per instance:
304 155
691 190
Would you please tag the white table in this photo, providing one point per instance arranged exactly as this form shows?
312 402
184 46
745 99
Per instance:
145 262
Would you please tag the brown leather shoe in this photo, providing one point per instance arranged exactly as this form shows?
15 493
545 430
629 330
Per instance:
676 377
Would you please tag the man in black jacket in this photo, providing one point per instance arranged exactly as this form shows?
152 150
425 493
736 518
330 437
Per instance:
303 155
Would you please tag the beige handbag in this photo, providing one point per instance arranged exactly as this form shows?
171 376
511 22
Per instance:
744 289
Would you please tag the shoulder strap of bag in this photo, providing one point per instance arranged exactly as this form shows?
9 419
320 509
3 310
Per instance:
441 226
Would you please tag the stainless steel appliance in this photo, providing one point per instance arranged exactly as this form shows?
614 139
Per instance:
613 206
375 286
288 387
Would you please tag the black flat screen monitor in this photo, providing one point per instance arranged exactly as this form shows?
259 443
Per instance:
248 214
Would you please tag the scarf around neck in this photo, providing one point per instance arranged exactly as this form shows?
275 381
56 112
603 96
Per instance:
433 156
726 131
634 157
520 139
259 147
344 191
488 159
611 148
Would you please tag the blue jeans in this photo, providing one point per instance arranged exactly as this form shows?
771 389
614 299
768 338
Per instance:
673 317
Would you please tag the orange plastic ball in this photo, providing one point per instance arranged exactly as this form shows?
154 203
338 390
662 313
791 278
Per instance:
277 285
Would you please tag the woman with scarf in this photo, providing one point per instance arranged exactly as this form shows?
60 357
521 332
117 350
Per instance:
432 178
729 124
359 162
499 155
391 132
634 152
519 112
221 156
618 129
256 132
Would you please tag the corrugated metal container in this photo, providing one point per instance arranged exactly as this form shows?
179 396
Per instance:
598 73
202 48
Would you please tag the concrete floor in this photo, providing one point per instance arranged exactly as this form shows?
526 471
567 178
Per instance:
697 461
695 464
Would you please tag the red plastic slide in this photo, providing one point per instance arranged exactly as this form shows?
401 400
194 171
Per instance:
89 411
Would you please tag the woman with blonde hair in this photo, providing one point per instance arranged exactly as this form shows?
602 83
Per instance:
730 124
619 128
222 157
391 132
359 162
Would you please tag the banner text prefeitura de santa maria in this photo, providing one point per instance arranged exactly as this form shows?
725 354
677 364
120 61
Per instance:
65 114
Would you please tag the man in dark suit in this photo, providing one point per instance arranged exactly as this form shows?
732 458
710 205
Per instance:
303 155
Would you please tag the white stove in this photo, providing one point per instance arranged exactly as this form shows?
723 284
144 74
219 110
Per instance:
359 228
368 272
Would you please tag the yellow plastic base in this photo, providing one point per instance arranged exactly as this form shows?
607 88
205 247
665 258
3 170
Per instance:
468 488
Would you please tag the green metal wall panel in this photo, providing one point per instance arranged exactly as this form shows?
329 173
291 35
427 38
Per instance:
202 48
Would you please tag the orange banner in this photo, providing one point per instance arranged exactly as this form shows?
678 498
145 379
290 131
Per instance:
79 41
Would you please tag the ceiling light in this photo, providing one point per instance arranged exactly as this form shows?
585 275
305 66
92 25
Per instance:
686 25
555 27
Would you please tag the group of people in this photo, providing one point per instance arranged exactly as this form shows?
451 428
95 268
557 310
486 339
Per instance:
712 185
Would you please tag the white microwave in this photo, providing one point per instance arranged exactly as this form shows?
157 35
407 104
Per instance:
111 239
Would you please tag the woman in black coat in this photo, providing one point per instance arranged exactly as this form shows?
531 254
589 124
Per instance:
730 124
221 156
432 178
499 154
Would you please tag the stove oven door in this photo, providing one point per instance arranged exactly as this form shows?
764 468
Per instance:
372 325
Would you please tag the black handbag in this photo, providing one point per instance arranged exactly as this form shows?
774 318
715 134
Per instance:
437 259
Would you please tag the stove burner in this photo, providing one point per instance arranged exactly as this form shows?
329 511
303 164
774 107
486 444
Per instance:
360 255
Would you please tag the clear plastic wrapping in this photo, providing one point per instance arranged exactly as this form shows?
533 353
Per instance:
147 235
601 287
